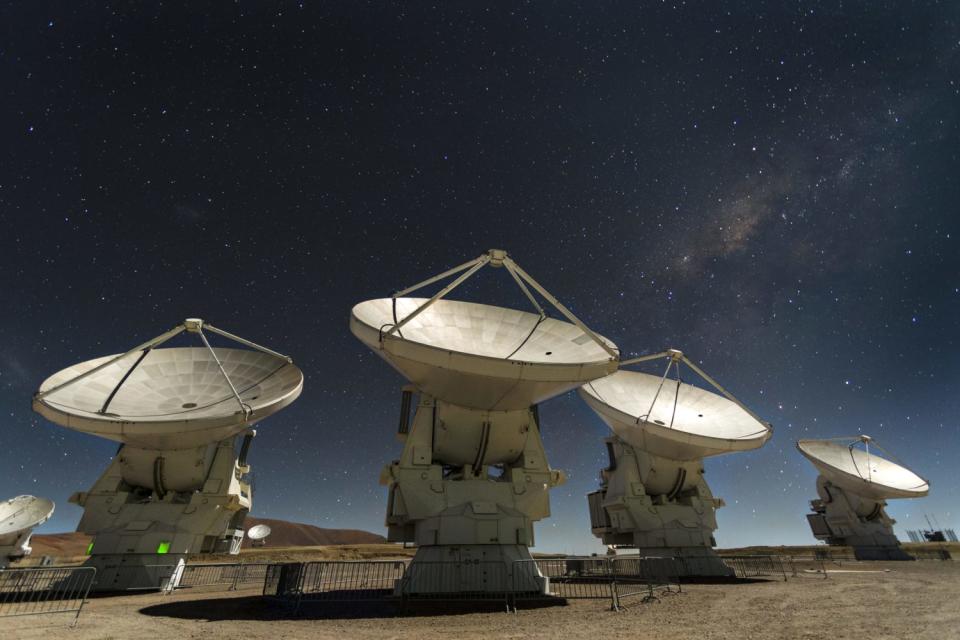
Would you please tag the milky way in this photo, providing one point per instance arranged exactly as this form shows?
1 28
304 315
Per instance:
772 189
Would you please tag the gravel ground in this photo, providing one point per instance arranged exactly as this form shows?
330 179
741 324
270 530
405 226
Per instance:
873 600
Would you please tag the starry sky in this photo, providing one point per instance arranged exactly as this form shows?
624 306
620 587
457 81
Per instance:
771 187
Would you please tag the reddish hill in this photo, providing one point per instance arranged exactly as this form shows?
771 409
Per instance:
282 534
59 545
295 534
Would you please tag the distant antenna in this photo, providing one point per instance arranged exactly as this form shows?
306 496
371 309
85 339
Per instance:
664 428
861 472
951 535
853 487
18 518
258 534
671 418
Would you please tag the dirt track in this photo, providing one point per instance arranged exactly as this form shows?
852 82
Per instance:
861 600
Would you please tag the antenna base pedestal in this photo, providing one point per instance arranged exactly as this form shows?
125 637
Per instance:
661 507
145 513
15 550
467 489
494 569
136 571
843 519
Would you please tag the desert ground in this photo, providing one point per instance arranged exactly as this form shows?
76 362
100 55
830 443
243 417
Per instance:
876 600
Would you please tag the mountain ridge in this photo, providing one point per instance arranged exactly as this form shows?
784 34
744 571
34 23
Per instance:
283 534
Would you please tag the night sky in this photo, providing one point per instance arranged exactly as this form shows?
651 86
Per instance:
773 189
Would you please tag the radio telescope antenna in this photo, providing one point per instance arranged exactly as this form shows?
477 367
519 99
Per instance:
18 518
676 420
675 357
854 485
495 258
171 398
663 429
861 472
184 418
258 534
480 371
192 325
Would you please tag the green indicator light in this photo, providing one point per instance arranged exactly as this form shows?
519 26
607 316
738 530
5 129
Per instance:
163 547
90 548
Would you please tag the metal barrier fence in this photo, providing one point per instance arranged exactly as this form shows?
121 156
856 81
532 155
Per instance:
45 590
231 575
334 580
755 566
282 580
346 580
645 577
837 557
794 565
571 578
568 578
613 579
830 555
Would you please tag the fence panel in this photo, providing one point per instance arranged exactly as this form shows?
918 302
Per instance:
353 581
755 566
594 578
646 577
574 578
283 580
931 554
333 581
831 555
230 575
798 564
42 590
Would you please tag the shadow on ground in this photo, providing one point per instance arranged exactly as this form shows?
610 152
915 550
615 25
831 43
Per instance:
729 580
260 608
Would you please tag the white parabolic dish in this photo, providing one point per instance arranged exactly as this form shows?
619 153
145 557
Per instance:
176 398
481 356
258 531
22 514
696 425
869 476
